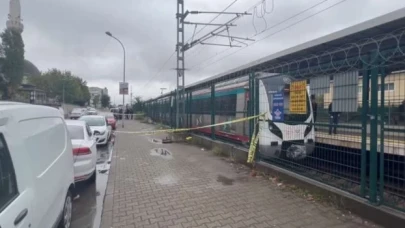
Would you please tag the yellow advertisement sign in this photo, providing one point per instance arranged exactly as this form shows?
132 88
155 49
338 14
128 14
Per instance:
298 97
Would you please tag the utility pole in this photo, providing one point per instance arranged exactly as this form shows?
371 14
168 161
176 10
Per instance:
180 62
181 48
123 95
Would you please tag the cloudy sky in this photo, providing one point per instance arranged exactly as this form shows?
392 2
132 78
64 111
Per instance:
70 35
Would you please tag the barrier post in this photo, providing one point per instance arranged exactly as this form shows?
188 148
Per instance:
213 110
191 109
175 113
187 111
256 112
382 119
373 134
364 124
251 104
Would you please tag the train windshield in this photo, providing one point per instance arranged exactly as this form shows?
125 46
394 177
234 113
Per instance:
278 94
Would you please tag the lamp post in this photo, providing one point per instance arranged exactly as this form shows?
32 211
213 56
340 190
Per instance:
123 95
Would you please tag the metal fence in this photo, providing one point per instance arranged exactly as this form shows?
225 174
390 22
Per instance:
337 117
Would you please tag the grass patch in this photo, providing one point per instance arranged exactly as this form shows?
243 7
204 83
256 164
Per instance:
139 116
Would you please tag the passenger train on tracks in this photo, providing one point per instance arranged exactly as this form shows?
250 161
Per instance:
282 134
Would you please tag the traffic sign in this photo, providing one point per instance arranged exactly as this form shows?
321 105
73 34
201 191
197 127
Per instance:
123 88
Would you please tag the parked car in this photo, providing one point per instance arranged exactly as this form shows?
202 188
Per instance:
99 128
91 111
84 150
36 167
111 120
76 113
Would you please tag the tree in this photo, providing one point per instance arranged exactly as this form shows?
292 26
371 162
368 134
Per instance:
105 100
96 100
12 62
58 84
138 105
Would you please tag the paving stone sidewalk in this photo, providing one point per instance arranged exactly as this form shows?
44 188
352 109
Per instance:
190 187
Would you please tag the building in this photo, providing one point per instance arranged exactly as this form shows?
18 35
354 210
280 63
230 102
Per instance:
394 89
27 92
97 92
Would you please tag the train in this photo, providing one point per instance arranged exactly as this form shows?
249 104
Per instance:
282 134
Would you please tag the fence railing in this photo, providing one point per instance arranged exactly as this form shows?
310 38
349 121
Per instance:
357 144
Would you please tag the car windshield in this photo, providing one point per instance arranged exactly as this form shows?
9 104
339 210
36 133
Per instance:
76 132
281 84
93 121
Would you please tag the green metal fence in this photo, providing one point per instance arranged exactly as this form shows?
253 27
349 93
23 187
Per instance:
358 145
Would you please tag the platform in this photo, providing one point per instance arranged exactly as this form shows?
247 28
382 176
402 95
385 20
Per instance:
191 187
391 146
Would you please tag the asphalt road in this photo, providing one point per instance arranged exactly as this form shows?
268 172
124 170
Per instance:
88 207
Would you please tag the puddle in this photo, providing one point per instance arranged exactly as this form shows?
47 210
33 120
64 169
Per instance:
166 180
224 180
161 152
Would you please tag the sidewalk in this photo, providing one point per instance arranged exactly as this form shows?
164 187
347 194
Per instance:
189 187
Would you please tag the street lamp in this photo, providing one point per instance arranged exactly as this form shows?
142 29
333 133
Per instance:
123 95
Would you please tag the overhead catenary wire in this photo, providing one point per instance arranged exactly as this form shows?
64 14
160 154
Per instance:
273 26
200 30
274 33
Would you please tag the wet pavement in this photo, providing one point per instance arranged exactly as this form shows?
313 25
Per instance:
178 186
88 207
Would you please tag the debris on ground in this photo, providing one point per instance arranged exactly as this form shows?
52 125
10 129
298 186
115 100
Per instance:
167 140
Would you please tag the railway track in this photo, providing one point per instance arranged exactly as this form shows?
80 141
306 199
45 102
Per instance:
341 168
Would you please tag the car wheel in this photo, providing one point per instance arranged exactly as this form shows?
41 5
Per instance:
67 212
93 177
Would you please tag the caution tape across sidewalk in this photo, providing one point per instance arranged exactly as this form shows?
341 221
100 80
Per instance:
189 129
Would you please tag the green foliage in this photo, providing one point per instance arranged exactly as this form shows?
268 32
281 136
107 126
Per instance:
54 82
96 100
105 101
138 105
12 62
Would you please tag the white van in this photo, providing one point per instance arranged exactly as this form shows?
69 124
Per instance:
36 167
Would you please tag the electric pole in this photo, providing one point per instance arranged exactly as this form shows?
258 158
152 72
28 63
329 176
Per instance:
181 48
180 62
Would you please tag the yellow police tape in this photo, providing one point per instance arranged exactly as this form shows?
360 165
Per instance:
253 141
253 144
189 129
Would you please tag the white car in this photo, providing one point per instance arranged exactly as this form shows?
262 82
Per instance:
36 167
84 150
99 127
76 113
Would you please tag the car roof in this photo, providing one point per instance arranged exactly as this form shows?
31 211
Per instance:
75 122
21 111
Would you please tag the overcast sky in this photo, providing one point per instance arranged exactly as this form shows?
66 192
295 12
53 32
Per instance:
70 35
